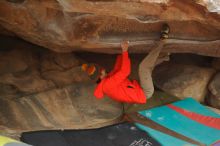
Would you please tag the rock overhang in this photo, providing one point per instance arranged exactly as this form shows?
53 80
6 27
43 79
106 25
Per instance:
99 26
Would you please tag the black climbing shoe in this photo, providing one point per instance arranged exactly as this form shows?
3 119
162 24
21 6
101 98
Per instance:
165 32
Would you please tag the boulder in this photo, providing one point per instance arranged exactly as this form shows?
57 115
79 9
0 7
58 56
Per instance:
214 85
27 71
213 101
183 80
45 90
71 107
191 59
9 65
100 25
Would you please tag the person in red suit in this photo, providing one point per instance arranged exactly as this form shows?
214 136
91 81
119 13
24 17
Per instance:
116 84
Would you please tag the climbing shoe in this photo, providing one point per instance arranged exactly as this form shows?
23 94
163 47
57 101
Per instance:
165 32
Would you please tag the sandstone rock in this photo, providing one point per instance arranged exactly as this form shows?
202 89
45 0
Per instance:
28 82
216 63
44 90
62 78
58 61
191 59
99 26
62 68
72 107
213 101
27 71
5 32
214 85
9 65
183 80
19 73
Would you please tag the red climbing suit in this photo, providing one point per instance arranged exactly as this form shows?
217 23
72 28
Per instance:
117 86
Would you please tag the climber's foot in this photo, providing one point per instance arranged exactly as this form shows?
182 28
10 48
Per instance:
165 32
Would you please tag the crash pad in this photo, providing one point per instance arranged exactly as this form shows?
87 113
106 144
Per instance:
6 141
124 134
186 117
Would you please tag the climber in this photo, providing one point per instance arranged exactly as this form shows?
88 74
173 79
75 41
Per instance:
116 84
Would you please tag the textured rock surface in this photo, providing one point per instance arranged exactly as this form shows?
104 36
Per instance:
216 63
99 26
5 32
183 80
213 101
64 108
214 85
212 5
191 59
32 71
44 90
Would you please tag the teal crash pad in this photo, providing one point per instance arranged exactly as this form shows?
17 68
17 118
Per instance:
191 119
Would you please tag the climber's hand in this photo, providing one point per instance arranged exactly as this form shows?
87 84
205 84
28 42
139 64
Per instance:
124 45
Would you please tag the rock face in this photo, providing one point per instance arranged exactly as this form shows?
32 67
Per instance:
30 71
214 109
213 101
214 88
64 108
214 85
183 80
212 5
216 63
44 90
99 26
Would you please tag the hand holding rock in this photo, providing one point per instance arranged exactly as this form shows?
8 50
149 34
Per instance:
124 45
